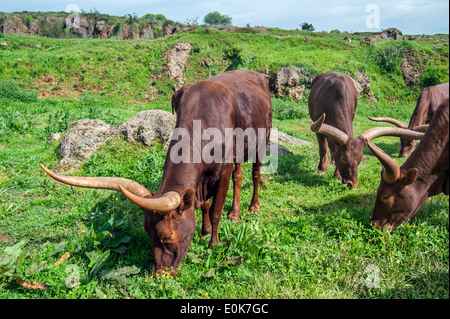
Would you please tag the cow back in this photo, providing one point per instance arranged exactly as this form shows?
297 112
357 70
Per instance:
335 95
431 156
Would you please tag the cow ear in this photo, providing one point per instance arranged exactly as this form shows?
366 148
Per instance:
410 176
187 200
176 97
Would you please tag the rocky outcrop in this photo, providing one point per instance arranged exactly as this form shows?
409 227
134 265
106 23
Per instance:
390 34
411 75
367 41
103 30
84 137
171 29
128 32
80 26
15 25
362 85
289 82
177 59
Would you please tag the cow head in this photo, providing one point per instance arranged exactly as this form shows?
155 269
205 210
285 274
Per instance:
169 218
347 158
397 199
349 151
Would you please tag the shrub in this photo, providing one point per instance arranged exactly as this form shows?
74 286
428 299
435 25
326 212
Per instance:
307 26
155 17
11 91
433 75
390 59
215 18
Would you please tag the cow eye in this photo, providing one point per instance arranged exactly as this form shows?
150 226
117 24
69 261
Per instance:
384 197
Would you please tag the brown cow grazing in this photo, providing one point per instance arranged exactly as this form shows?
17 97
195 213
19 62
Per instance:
427 104
332 105
403 190
233 101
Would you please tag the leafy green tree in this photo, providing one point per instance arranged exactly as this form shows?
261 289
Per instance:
155 17
215 18
307 26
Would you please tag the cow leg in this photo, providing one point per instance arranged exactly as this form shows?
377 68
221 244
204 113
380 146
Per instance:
323 153
332 148
206 225
337 174
257 179
235 211
215 212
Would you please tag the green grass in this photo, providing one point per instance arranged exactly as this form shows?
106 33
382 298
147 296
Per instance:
312 238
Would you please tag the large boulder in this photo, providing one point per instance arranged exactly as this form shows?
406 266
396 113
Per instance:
147 127
82 140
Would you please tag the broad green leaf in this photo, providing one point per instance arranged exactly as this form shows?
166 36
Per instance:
98 262
116 241
59 248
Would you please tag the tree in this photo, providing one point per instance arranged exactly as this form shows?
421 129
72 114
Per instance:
307 26
155 17
217 19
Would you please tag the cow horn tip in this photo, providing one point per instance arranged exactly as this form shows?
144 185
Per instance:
317 124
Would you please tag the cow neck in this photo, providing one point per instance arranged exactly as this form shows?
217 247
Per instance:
178 177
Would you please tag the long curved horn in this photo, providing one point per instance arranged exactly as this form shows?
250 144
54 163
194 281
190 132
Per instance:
328 130
375 132
164 204
391 169
387 120
112 183
421 128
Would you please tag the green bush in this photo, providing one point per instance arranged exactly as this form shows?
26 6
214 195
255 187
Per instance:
11 91
215 18
433 75
391 58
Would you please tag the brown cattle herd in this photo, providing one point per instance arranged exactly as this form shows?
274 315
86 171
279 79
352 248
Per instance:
241 101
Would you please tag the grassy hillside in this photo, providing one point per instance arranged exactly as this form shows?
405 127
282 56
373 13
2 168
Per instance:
312 238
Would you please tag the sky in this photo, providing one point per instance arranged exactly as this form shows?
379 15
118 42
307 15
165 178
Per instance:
409 16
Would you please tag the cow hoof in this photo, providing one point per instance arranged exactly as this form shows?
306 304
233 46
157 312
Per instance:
254 208
234 215
206 231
